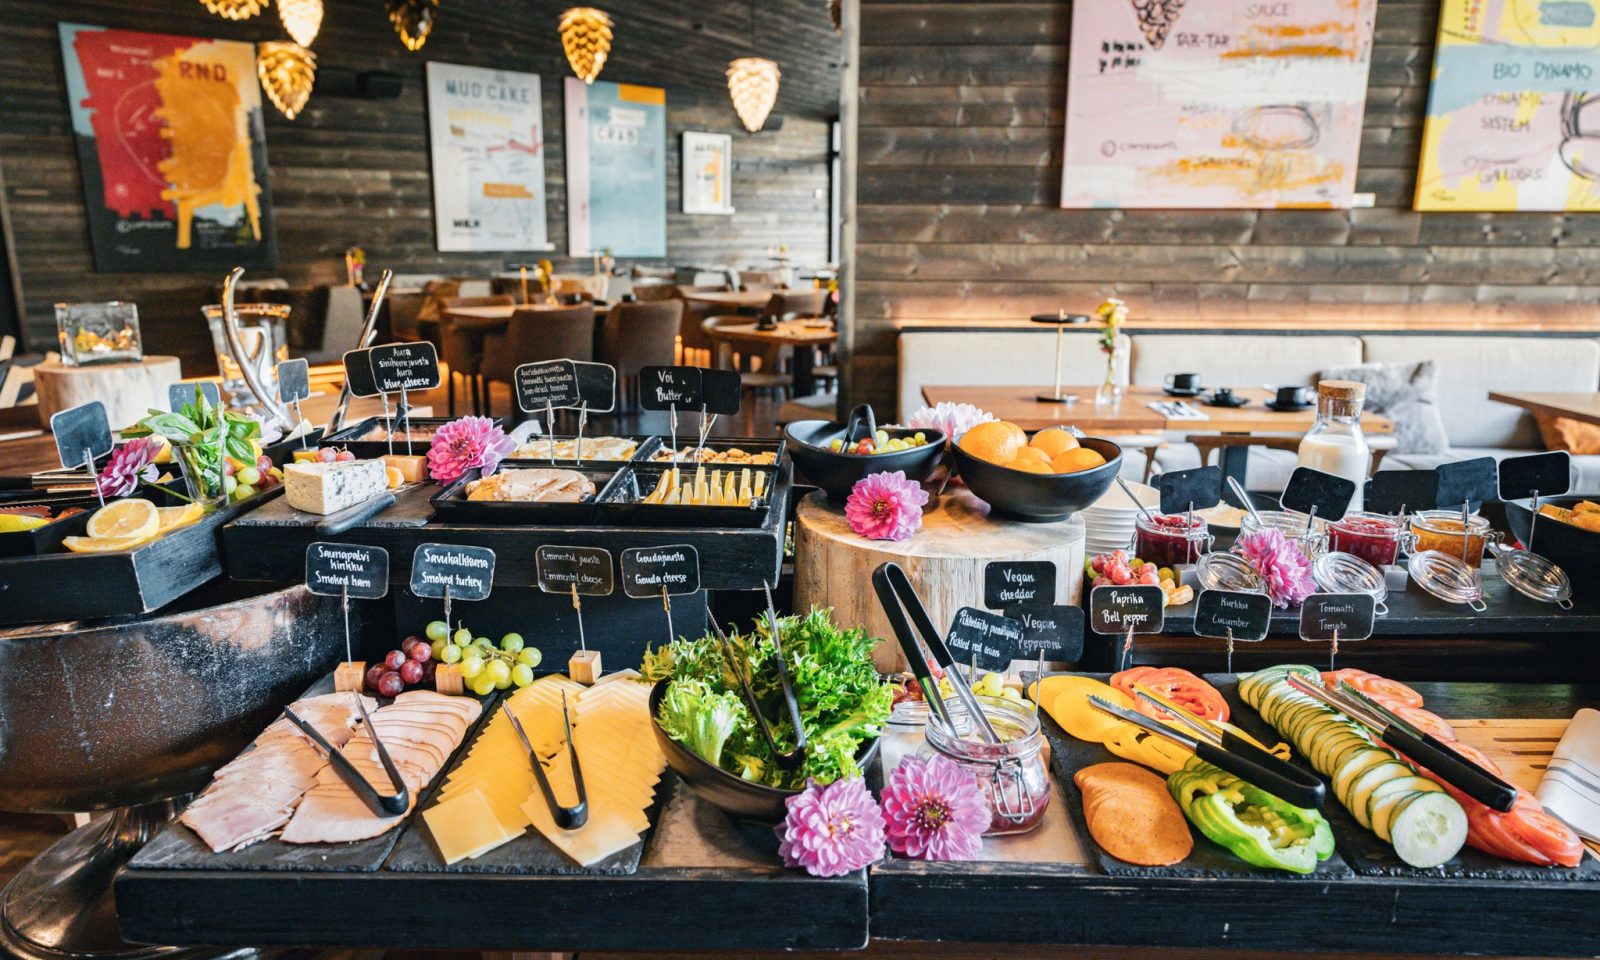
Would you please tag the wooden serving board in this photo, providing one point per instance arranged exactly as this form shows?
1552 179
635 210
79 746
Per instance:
1068 755
1522 748
1369 854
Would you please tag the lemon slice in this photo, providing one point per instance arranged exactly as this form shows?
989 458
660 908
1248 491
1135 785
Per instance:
16 523
103 544
125 520
171 518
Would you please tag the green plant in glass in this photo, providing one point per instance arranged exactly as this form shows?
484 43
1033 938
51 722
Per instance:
203 436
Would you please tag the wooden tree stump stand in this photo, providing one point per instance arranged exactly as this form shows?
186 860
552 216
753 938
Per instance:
129 390
945 560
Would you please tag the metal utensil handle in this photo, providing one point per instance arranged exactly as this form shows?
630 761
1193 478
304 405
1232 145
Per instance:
789 697
789 760
247 368
369 333
399 802
889 600
861 414
908 595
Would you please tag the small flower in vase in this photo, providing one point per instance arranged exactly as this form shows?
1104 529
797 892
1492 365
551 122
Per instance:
467 443
934 810
831 831
1112 314
885 506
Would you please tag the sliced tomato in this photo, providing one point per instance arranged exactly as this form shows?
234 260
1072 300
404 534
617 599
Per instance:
1178 685
1555 840
1488 831
1424 720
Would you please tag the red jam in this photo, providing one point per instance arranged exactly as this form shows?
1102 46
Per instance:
1372 537
1170 539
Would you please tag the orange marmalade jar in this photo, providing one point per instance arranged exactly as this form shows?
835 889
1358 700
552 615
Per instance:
1441 530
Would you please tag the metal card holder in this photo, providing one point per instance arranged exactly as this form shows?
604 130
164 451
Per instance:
381 805
567 818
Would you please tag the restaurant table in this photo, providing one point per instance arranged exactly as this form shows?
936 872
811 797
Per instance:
1237 427
788 333
494 318
1583 407
731 299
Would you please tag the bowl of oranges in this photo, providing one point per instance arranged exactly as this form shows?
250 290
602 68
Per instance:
1043 478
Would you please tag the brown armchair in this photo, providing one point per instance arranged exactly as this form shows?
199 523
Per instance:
534 334
461 349
639 335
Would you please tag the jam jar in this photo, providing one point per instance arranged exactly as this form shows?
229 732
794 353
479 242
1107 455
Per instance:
1441 530
1168 539
1292 525
1010 773
1374 537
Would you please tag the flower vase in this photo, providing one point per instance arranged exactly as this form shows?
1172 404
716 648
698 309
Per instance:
204 481
1109 393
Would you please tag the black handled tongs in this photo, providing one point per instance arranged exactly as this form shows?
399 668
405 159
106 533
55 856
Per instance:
391 805
567 818
899 598
1226 750
1423 748
786 759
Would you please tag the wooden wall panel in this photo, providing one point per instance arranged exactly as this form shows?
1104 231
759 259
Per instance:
357 172
961 124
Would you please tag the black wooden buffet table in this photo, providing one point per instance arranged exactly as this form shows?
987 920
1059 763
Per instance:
706 883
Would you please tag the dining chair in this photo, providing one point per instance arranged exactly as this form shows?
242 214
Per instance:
760 366
638 335
690 331
788 304
462 350
534 334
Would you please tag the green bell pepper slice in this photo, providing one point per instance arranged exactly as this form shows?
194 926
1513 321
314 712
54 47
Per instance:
1256 826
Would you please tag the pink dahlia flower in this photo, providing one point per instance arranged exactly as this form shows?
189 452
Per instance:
934 810
885 506
1281 563
131 464
463 444
833 830
955 419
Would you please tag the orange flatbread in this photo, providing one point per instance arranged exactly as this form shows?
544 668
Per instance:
1131 815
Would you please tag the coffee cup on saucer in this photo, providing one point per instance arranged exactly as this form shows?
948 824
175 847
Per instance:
1185 383
1292 397
1222 395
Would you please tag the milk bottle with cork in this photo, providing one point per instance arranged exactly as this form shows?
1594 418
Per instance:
1334 443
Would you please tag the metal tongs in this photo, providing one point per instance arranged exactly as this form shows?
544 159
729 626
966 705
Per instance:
786 760
567 818
392 805
1225 749
1423 748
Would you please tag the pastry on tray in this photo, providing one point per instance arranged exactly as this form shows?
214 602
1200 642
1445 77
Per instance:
594 448
732 455
532 486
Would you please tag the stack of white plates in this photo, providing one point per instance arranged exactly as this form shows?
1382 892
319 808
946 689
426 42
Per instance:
1108 522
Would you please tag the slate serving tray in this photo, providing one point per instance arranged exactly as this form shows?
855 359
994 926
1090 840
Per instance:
351 436
451 505
622 502
179 848
47 538
1369 855
1068 755
686 442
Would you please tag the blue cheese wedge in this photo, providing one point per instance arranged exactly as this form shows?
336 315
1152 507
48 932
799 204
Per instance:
330 487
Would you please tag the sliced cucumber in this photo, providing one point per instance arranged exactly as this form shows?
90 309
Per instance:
1428 829
1388 797
1361 789
1360 763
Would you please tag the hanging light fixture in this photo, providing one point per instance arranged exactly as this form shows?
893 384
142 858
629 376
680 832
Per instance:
234 9
586 37
836 14
287 71
753 85
413 20
302 18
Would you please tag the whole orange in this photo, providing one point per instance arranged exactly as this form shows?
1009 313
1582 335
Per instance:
994 441
1053 441
1076 459
1032 455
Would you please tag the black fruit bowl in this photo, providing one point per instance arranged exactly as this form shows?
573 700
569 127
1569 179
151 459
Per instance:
837 473
1040 497
733 795
1571 548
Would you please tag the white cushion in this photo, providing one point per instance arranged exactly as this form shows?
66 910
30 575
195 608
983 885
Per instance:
1239 360
1585 469
1470 367
998 358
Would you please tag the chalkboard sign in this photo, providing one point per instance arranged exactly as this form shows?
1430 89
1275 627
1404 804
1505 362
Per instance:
597 386
82 433
349 569
547 384
1054 628
1312 491
467 571
1467 481
180 394
1018 583
645 570
1545 474
721 391
1116 610
989 638
1391 491
560 568
1345 616
662 388
1231 614
404 366
1181 489
294 380
358 373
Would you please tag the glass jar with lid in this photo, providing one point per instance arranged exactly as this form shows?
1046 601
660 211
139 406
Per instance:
1168 539
1442 530
1374 537
1334 444
1308 532
1011 773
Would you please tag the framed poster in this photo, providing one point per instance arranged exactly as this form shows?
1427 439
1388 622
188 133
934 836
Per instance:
1513 117
616 169
707 173
486 131
172 149
1215 104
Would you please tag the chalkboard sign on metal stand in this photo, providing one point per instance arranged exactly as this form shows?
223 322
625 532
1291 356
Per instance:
1317 494
1233 616
577 571
294 385
1398 492
1018 583
82 434
181 393
1127 610
452 571
721 393
1181 490
1050 631
1337 616
344 570
1534 476
668 388
987 639
665 571
400 368
1468 483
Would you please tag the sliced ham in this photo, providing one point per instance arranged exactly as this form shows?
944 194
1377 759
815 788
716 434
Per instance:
332 814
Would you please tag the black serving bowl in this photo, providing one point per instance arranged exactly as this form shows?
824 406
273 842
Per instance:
1569 547
732 794
837 473
1040 497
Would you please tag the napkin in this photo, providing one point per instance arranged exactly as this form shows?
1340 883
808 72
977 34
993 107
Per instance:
1177 410
1570 787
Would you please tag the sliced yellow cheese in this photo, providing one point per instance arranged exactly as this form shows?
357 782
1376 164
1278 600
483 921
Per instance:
464 827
